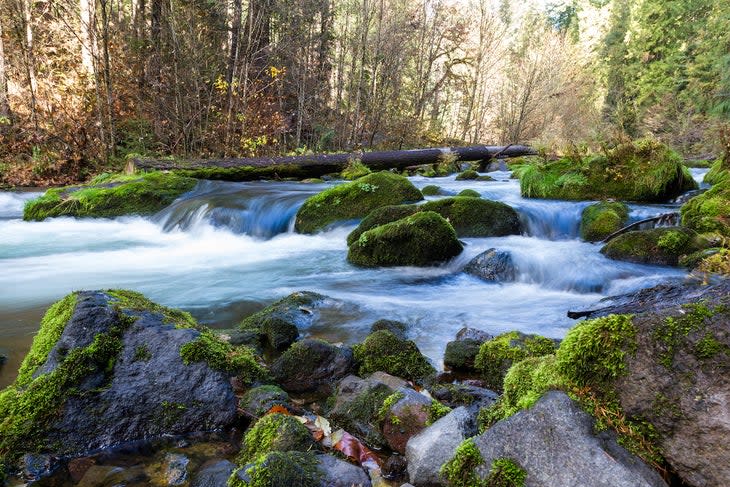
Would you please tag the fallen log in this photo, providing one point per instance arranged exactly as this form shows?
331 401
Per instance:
663 218
317 165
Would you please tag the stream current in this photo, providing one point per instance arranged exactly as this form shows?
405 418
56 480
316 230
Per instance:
225 250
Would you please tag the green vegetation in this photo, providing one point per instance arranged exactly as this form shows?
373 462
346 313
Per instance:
717 173
134 302
436 411
505 472
460 471
469 174
473 217
381 216
469 193
274 432
110 196
643 170
259 400
673 333
223 356
389 402
718 263
663 246
496 356
385 352
422 239
354 200
431 190
355 169
709 211
282 468
360 415
600 220
142 353
461 354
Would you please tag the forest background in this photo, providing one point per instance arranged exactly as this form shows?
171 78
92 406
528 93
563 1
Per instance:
86 84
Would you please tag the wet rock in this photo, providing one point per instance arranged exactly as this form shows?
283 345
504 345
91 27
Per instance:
114 476
381 216
660 246
435 445
36 466
312 364
601 219
555 424
389 380
339 473
455 395
259 400
468 333
395 467
176 468
460 354
467 175
493 266
382 351
78 467
213 473
397 328
476 217
406 413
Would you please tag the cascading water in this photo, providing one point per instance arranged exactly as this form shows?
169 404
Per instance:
225 250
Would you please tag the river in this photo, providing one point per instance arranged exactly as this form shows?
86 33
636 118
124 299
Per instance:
227 249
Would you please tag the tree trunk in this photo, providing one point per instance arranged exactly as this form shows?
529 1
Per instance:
29 58
5 114
87 24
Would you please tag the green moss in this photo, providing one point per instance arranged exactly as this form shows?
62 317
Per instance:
282 469
460 354
170 413
643 170
473 217
431 190
274 432
223 356
469 193
142 354
136 303
496 356
259 400
418 240
436 411
355 169
460 471
301 358
112 196
381 216
354 200
389 402
673 333
385 352
602 219
362 415
397 328
506 472
708 212
467 175
661 246
717 173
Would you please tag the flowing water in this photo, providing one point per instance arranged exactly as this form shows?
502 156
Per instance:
226 250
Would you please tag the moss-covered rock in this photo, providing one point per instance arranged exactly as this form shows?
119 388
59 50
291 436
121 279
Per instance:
381 216
355 169
469 174
280 469
357 405
404 414
469 193
274 432
475 217
709 211
461 354
259 400
600 220
422 239
385 352
659 246
431 190
643 170
110 196
496 356
397 328
310 365
277 325
354 200
718 172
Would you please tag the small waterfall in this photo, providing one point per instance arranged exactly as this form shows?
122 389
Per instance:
551 220
11 204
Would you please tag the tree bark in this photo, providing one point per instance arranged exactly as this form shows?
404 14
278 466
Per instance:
4 101
251 168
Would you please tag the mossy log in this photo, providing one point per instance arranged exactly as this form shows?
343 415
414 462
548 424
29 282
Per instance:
316 165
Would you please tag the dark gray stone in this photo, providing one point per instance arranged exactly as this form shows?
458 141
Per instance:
468 333
460 355
555 443
431 448
311 365
259 400
339 473
397 328
214 473
455 395
493 266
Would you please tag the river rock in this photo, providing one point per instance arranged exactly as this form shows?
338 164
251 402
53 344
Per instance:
116 364
312 364
476 217
381 216
659 246
405 417
397 328
709 211
468 333
460 354
599 220
492 265
339 473
555 443
259 400
176 468
213 473
456 395
382 351
431 448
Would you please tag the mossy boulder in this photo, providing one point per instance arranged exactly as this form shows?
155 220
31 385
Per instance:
600 220
355 169
381 216
404 414
496 356
659 246
259 400
422 239
279 469
709 211
110 196
274 432
126 369
431 190
385 352
354 200
718 172
277 326
311 365
397 328
467 175
356 407
461 354
469 193
643 170
476 217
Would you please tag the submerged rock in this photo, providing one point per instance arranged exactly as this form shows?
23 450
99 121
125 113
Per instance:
312 364
419 240
660 246
554 442
493 266
110 196
599 220
354 200
123 367
214 473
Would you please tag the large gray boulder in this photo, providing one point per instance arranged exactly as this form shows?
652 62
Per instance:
555 443
339 473
312 364
493 266
431 448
